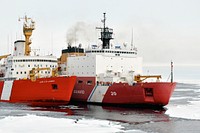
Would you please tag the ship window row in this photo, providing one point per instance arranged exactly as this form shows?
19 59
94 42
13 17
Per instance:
89 82
80 66
21 72
37 65
74 73
42 72
103 51
32 60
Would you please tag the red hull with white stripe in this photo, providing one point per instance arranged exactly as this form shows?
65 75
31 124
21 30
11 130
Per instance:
54 89
152 93
30 78
111 74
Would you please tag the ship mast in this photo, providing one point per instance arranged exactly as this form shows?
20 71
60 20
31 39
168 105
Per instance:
132 40
106 34
28 27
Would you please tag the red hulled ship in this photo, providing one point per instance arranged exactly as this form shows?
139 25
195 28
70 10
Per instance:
33 78
112 75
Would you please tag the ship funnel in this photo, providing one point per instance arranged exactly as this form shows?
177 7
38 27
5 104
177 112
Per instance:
19 48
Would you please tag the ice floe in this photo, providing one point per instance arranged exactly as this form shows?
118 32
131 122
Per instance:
37 124
188 111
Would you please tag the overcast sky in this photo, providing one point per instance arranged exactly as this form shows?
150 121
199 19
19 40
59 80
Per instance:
163 30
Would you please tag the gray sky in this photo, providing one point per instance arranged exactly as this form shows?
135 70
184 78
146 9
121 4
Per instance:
164 30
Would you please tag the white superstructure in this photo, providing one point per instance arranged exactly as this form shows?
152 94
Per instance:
21 65
107 65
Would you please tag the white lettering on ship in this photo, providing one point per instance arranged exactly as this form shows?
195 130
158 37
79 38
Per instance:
79 92
113 93
47 81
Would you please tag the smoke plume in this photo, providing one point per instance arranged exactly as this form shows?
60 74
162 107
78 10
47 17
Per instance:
81 32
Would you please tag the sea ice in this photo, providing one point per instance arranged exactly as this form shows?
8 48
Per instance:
43 124
188 111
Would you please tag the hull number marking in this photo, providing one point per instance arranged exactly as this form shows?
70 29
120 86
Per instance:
113 93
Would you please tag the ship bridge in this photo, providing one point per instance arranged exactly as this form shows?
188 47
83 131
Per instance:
113 52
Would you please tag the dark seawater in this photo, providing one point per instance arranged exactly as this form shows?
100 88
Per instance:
179 116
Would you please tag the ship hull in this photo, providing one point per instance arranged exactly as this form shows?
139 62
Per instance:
147 93
49 90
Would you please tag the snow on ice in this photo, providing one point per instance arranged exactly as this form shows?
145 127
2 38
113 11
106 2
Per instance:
37 124
188 111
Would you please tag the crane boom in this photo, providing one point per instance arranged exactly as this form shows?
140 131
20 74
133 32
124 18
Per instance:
4 56
139 78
